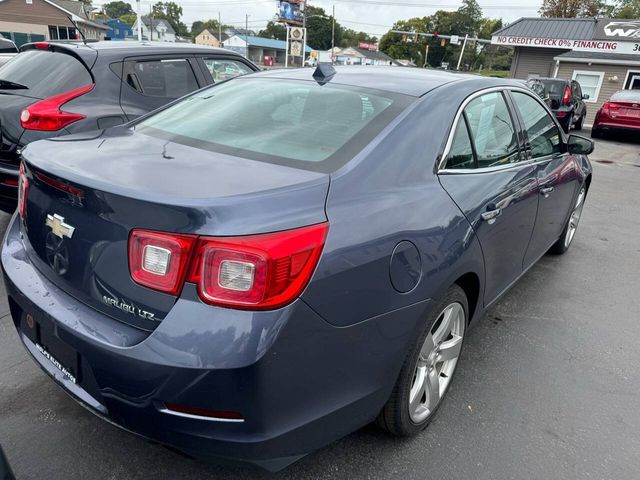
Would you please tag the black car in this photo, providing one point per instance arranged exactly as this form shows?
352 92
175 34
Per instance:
51 89
566 101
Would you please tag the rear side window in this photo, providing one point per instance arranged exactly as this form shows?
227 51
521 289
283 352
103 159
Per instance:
460 154
296 123
626 96
222 69
492 130
46 73
543 134
169 78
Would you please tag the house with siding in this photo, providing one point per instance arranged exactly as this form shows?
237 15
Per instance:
26 21
155 29
602 54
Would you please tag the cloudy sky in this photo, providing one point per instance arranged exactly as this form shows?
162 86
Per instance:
372 16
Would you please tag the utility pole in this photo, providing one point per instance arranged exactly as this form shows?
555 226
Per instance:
304 30
151 22
426 54
219 30
246 34
464 44
139 11
333 34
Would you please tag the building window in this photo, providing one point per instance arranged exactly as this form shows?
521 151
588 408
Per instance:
590 83
632 81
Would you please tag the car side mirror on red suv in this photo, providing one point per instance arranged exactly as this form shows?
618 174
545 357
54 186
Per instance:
579 145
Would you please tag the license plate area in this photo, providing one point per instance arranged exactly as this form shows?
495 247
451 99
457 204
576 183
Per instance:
42 333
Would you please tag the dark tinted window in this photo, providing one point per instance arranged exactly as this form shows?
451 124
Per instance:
295 123
460 154
492 130
543 134
554 87
45 73
170 78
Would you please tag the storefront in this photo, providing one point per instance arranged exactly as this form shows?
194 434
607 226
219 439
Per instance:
603 55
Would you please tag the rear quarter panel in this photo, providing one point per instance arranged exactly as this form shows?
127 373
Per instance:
388 194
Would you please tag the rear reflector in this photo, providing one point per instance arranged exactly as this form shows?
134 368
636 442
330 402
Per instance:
254 272
159 260
23 187
223 415
46 115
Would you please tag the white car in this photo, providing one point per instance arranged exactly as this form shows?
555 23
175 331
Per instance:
8 50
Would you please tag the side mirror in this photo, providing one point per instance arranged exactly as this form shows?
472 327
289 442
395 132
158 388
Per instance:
585 97
579 145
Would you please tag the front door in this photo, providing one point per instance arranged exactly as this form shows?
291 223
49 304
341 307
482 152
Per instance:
497 192
556 170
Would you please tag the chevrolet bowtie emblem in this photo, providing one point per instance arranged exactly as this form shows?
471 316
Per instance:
58 227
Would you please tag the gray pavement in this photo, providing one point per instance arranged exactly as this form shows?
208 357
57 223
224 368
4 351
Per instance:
548 386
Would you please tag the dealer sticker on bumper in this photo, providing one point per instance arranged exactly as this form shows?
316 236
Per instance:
56 363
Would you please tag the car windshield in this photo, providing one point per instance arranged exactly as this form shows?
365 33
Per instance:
290 122
626 96
554 87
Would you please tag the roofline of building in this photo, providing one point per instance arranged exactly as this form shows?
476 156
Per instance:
544 19
77 18
597 61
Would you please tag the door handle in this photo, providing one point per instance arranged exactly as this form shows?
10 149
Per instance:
491 215
546 191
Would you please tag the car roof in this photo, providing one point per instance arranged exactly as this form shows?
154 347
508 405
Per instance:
407 81
126 48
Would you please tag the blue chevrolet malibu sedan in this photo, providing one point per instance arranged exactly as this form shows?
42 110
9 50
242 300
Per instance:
271 263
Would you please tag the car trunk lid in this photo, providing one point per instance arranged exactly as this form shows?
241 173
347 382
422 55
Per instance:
105 185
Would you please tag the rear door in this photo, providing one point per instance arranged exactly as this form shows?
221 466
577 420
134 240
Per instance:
556 170
484 172
153 81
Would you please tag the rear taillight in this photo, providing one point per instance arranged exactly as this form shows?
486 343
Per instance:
610 109
23 186
159 260
567 95
47 114
257 272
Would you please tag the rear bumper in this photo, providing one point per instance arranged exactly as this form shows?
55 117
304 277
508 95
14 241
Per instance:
610 126
298 382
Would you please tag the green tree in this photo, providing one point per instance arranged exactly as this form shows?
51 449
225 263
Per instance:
627 9
319 26
172 13
117 9
274 30
129 19
569 8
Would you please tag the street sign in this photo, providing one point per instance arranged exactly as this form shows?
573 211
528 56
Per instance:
455 40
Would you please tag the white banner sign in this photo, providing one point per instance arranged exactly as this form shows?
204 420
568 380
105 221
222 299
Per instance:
603 46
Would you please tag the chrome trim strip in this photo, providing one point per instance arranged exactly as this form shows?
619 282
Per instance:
455 125
201 417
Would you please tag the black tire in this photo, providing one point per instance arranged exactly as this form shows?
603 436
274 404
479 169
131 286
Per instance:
561 245
566 126
395 417
579 123
597 133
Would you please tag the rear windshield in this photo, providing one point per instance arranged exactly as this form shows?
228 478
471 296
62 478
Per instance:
626 96
296 123
554 87
45 73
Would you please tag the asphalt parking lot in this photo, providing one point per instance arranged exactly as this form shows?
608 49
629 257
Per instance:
548 385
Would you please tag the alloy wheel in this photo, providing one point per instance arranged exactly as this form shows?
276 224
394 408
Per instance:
574 219
437 362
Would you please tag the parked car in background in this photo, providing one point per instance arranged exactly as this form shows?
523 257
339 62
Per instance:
8 50
539 89
273 262
52 89
566 101
618 114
